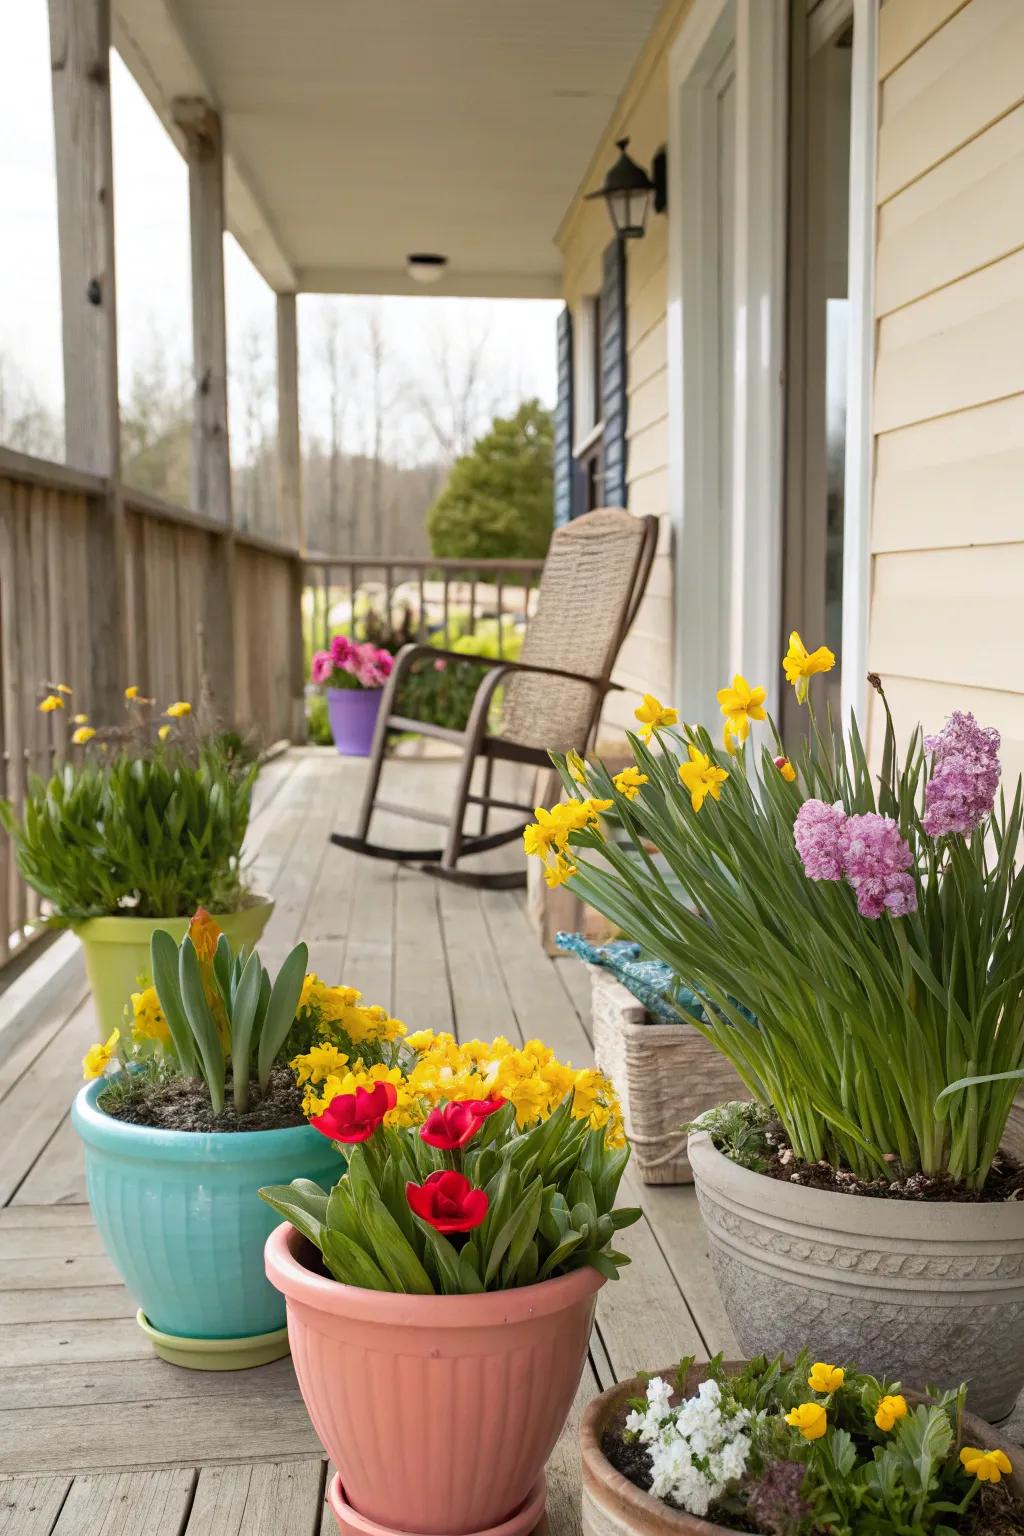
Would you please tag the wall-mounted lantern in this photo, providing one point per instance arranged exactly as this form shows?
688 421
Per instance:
629 191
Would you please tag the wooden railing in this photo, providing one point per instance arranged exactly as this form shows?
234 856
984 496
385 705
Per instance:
447 598
200 602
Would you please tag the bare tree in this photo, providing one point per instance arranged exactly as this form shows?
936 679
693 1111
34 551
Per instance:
25 422
459 392
254 467
339 520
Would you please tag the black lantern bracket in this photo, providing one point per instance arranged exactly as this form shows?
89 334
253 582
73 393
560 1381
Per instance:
629 191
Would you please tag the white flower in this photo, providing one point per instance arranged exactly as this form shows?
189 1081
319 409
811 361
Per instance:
695 1450
635 1422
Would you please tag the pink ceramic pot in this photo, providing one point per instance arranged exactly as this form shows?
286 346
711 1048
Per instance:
438 1411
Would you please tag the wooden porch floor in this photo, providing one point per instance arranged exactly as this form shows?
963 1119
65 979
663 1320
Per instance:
100 1438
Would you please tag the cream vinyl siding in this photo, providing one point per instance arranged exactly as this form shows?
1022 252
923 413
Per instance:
645 664
948 506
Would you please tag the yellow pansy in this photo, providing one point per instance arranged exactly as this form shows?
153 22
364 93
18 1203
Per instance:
319 1063
740 704
701 777
653 715
825 1378
179 709
889 1410
50 703
82 735
576 766
164 732
630 781
148 1022
132 692
986 1466
810 1419
800 665
97 1059
326 1001
559 872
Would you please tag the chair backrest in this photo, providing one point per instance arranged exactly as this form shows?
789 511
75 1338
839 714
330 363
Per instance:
590 589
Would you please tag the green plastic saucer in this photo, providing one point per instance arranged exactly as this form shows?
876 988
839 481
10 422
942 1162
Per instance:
215 1354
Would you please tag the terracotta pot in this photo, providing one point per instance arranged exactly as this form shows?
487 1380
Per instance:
928 1291
613 1506
438 1411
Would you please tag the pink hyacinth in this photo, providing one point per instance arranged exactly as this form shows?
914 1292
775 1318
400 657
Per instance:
965 776
817 832
322 666
875 859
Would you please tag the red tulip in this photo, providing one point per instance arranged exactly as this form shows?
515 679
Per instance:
453 1125
355 1116
448 1201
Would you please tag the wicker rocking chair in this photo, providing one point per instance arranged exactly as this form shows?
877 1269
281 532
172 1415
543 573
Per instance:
590 589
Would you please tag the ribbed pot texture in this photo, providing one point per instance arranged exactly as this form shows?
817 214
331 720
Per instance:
116 951
353 715
180 1216
438 1411
613 1506
923 1291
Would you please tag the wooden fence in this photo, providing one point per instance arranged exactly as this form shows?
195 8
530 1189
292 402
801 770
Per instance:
199 601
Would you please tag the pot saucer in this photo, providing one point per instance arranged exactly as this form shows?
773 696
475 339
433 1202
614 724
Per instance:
350 1523
215 1354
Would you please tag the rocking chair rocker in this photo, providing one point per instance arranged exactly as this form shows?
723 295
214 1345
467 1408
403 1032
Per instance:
591 586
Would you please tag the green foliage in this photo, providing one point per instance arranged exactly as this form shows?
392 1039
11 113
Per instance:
551 1209
156 832
737 1129
498 500
318 724
444 695
873 1040
227 1010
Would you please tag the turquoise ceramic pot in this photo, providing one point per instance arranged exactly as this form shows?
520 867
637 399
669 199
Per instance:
179 1214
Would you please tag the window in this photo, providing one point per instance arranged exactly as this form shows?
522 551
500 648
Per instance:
588 440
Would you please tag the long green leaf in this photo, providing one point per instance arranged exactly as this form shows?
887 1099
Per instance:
280 1014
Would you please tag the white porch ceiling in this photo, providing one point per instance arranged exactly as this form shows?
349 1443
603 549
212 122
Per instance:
358 131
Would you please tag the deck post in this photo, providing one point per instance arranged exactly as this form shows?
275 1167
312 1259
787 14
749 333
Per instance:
289 453
80 67
211 461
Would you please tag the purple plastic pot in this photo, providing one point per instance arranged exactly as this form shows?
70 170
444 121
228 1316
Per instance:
353 717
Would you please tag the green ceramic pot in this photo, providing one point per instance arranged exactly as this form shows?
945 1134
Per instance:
117 951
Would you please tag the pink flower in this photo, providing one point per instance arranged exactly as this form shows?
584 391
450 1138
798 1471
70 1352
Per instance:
341 651
322 666
816 832
875 858
965 776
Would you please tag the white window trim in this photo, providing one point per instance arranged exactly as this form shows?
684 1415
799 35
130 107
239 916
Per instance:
586 443
860 359
588 422
760 31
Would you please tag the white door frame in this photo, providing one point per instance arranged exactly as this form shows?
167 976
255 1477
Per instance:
759 30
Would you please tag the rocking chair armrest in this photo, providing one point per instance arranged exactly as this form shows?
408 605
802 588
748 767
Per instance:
410 653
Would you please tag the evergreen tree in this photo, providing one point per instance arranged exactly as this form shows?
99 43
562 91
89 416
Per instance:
497 503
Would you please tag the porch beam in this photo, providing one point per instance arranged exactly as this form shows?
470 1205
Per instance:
200 127
80 68
289 452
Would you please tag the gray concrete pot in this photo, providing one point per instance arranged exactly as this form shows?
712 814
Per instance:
613 1506
924 1292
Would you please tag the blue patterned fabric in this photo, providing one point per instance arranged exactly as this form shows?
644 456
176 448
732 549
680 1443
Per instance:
648 980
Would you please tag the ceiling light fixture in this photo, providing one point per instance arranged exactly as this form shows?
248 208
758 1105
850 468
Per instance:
425 266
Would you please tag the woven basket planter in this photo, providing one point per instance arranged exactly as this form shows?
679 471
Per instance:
666 1075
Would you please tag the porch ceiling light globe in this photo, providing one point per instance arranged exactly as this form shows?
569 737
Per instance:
426 266
627 190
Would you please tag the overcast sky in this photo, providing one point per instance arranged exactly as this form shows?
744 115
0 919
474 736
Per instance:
153 285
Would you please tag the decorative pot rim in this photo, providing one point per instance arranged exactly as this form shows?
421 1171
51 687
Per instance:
103 1132
109 927
347 692
488 1309
858 1215
656 1517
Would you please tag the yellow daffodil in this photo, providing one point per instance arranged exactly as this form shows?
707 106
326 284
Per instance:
701 777
148 1021
546 833
889 1410
786 768
559 872
630 781
576 766
132 692
97 1059
800 665
740 704
164 732
810 1419
178 710
825 1378
50 703
986 1466
64 688
82 735
578 814
653 715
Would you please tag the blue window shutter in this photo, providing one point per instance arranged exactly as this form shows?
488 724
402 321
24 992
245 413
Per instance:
564 468
613 372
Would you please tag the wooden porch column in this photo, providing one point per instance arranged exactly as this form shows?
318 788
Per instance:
289 453
211 461
80 65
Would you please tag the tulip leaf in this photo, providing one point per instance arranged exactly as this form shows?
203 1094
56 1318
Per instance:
303 1203
204 1030
281 1010
351 1264
163 959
